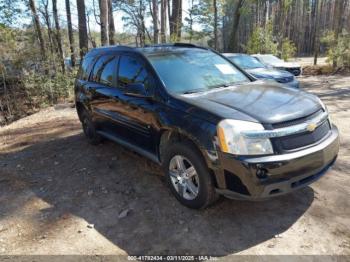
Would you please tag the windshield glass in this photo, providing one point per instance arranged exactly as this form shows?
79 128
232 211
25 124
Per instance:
246 62
270 59
188 70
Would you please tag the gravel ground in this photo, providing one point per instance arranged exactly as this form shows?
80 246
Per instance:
60 195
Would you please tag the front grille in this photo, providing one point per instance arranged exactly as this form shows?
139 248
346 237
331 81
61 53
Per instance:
297 121
285 79
296 141
294 70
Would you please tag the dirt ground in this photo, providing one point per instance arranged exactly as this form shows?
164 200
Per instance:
60 195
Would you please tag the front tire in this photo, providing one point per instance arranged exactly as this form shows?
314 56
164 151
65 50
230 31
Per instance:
89 129
188 176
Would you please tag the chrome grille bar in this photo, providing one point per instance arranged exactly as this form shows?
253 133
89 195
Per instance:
309 125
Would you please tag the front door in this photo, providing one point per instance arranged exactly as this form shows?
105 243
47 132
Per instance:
136 113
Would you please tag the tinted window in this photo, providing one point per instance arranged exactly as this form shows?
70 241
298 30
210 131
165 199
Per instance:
108 71
97 68
85 67
131 71
187 70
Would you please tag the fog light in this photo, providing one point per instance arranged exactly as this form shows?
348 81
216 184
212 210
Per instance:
261 173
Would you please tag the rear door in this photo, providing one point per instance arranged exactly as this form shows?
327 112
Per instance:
116 113
101 88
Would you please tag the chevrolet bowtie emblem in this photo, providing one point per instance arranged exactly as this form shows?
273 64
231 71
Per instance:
311 127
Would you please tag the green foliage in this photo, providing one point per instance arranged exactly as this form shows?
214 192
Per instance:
262 41
48 90
338 49
26 82
288 49
202 13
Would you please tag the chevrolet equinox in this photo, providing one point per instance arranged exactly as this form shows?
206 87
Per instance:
214 129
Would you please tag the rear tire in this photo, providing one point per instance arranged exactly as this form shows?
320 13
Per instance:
89 129
190 182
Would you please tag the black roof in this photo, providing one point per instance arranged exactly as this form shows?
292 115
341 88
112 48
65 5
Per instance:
145 49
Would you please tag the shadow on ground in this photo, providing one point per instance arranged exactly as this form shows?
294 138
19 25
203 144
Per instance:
333 92
96 183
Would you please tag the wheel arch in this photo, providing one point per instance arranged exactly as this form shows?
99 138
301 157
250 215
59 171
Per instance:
81 107
169 136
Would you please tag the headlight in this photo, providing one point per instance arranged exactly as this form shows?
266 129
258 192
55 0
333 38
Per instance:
232 139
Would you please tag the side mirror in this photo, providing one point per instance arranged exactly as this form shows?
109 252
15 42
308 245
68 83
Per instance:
136 90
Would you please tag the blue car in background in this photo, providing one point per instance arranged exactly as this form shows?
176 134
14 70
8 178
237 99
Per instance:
260 71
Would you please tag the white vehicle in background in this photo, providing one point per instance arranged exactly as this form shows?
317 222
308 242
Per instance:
275 62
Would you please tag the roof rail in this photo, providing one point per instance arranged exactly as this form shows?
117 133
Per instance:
173 44
112 47
123 46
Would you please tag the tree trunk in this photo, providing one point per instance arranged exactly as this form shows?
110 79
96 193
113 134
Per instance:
70 32
316 46
155 21
111 28
176 20
58 34
169 15
215 25
38 28
163 22
142 25
267 13
46 16
236 18
90 36
179 20
83 36
337 23
104 21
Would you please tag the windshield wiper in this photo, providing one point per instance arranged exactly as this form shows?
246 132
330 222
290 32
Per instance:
227 85
193 91
221 86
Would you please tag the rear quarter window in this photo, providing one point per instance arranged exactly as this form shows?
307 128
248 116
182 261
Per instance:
98 67
86 67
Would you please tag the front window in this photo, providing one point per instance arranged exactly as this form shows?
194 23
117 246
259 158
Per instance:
188 70
132 71
246 62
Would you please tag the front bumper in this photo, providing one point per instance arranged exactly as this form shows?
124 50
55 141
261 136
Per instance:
282 173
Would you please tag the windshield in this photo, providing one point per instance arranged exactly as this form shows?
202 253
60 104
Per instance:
188 70
270 59
246 62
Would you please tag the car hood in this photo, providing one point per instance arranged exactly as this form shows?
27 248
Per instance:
285 65
268 73
263 101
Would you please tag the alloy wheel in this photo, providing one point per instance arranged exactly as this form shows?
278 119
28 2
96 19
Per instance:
184 177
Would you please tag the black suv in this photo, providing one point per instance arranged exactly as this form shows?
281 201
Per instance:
215 129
